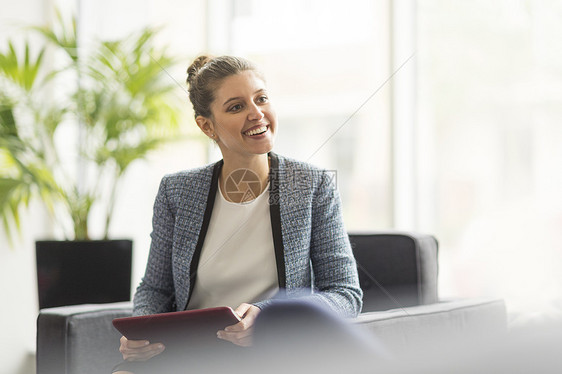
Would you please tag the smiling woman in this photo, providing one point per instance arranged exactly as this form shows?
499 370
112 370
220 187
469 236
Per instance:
237 232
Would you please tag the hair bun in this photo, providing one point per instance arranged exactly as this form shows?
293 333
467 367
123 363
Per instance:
198 64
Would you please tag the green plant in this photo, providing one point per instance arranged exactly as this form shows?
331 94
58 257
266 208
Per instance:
68 135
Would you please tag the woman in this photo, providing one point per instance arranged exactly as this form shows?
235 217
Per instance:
236 232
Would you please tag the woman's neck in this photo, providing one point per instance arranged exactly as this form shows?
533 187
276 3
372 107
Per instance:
243 179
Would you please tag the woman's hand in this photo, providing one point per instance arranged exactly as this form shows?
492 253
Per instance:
241 333
139 350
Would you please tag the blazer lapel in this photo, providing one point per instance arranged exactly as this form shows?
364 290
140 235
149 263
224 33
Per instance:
275 216
204 227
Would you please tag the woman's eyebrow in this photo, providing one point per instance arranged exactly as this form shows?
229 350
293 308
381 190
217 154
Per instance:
240 98
231 99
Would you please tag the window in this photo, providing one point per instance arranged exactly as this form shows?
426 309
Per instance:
323 60
488 119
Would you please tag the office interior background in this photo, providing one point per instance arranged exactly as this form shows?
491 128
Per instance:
439 116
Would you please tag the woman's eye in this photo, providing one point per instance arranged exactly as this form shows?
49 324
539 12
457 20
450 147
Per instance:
235 108
263 99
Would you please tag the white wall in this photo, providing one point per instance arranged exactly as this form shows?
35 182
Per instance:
18 284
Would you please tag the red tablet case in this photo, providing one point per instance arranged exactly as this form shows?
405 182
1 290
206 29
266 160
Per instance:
199 325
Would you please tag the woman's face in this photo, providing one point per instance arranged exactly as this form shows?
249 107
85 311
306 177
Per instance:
243 118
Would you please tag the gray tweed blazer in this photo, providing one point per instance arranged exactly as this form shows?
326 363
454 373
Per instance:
312 249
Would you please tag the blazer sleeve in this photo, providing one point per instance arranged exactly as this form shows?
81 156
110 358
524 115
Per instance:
336 281
155 294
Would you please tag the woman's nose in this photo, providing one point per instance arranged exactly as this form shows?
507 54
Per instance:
255 113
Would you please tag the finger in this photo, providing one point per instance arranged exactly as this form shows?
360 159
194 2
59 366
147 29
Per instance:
251 314
242 309
143 350
140 349
234 336
126 343
146 351
248 321
144 357
136 343
141 357
242 338
143 354
240 326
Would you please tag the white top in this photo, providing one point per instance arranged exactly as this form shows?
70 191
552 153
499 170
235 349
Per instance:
237 263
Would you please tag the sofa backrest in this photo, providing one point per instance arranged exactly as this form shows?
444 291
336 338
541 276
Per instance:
396 269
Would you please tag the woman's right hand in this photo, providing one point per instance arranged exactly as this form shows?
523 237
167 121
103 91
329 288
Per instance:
139 350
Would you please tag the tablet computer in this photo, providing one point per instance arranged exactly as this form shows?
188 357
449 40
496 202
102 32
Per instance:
199 325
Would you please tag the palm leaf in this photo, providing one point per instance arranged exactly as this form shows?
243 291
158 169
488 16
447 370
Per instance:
13 193
65 37
7 121
22 71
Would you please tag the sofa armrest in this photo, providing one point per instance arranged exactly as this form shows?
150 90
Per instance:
417 328
79 339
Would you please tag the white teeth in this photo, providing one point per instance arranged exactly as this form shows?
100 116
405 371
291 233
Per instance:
256 131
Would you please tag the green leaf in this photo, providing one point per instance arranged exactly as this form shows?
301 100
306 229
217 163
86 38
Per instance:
64 37
12 193
7 121
22 71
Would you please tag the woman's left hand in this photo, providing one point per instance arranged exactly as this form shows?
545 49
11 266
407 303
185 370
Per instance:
241 333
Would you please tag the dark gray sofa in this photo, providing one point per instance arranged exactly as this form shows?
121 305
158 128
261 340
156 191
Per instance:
398 274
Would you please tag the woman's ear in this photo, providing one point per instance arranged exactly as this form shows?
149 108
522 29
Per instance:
206 125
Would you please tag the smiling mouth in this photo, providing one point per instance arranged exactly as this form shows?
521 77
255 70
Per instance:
256 131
